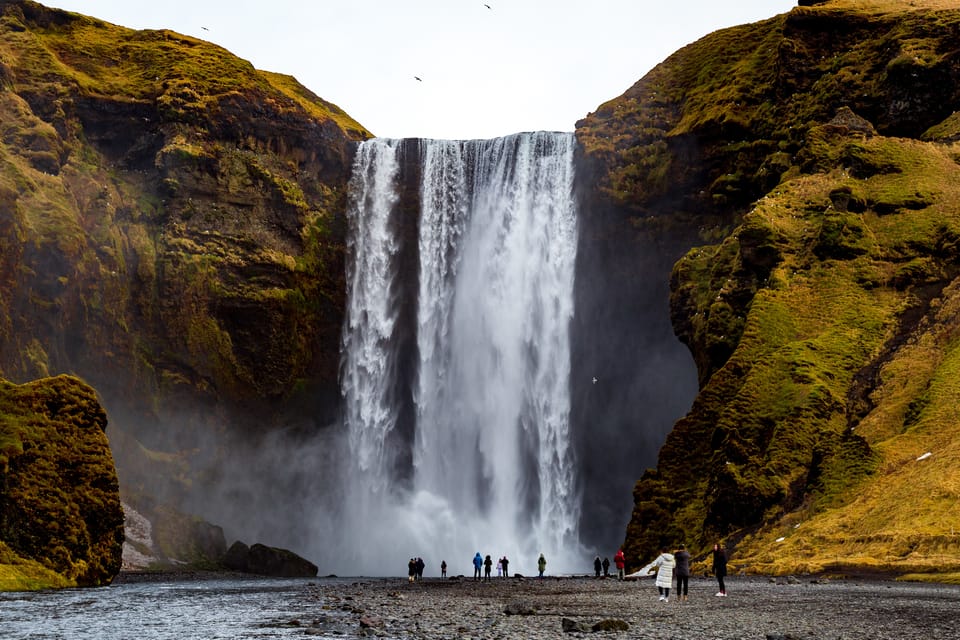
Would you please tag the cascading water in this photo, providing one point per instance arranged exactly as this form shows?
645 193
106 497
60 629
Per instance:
491 466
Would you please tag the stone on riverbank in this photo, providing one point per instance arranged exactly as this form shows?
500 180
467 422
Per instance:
267 561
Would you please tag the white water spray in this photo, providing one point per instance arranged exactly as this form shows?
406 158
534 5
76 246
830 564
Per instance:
492 468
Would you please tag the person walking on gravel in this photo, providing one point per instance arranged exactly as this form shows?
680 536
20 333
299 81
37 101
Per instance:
541 564
720 568
664 564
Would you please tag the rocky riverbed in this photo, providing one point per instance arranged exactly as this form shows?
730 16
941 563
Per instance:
515 608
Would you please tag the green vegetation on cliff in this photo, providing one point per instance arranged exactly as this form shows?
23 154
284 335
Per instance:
60 518
816 154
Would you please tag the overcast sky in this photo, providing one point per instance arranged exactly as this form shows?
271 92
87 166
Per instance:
519 65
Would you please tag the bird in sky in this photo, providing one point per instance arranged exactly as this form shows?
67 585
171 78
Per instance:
417 78
594 379
205 29
487 6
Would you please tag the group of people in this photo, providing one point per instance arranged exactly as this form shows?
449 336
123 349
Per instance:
619 560
415 569
503 567
599 566
677 564
667 565
480 564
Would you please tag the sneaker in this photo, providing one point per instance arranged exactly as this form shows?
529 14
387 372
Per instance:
724 594
666 600
719 593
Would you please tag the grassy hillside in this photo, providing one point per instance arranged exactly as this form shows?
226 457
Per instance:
816 152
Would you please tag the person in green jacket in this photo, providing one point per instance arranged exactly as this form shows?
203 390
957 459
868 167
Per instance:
541 564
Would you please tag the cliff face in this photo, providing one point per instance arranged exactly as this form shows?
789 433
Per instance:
172 230
816 155
59 497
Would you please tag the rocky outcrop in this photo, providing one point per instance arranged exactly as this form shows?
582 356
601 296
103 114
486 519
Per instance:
267 561
59 496
815 155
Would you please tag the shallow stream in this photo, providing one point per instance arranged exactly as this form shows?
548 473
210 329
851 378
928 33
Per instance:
162 610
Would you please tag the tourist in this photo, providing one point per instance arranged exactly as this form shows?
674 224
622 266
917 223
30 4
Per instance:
720 568
664 564
477 563
606 567
411 570
487 566
541 564
505 563
499 567
682 556
620 560
443 568
421 565
597 566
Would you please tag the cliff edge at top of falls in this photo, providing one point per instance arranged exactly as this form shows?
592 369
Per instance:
817 154
172 232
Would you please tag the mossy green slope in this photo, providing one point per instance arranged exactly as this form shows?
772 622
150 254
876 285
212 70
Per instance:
815 151
61 523
173 231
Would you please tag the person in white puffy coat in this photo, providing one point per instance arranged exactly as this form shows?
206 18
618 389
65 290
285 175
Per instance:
664 565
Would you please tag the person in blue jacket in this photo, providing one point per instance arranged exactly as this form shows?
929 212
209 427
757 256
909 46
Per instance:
477 563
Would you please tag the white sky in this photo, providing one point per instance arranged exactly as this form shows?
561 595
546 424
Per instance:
521 65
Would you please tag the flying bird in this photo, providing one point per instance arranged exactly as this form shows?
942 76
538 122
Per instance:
417 78
594 379
205 29
487 6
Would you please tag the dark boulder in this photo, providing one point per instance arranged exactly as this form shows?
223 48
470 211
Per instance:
611 624
267 561
236 557
574 626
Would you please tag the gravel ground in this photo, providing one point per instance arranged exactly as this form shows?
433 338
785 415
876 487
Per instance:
761 608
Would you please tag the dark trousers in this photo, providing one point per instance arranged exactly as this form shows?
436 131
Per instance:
723 587
683 582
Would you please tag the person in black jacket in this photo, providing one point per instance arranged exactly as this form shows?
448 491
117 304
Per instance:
682 572
720 567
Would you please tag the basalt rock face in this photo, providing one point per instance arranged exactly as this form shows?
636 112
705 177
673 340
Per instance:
172 231
59 495
267 561
815 157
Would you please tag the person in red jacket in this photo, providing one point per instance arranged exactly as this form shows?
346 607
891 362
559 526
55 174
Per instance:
621 562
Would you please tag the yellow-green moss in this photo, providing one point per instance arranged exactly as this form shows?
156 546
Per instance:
60 499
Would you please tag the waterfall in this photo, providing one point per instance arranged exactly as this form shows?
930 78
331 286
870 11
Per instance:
487 464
